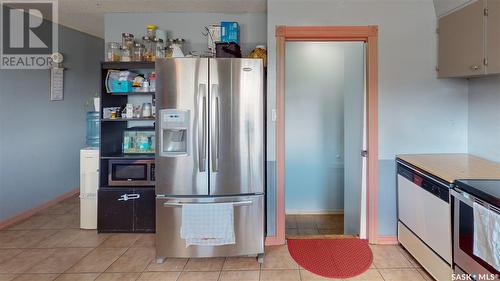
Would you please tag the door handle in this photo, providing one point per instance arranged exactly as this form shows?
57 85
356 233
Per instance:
474 67
180 203
126 197
364 153
202 127
215 127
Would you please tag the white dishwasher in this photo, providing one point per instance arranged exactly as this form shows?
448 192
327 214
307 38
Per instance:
424 219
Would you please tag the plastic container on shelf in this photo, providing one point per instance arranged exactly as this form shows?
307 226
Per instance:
118 86
151 31
92 138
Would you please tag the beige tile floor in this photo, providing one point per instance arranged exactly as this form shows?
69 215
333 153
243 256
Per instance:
305 225
50 246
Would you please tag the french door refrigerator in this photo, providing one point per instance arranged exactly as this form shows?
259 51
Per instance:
210 149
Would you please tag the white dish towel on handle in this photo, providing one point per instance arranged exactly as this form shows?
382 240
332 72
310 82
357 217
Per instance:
487 235
208 224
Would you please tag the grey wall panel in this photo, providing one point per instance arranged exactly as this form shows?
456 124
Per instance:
271 198
189 26
387 211
484 117
40 139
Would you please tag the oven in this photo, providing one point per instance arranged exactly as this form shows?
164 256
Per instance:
463 235
131 172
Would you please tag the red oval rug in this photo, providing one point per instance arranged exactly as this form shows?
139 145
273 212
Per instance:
333 258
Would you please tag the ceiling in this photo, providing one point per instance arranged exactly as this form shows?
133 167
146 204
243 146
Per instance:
88 15
443 7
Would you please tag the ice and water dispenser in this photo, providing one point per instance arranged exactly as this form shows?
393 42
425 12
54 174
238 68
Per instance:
175 132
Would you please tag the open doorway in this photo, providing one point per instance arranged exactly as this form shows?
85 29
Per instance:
369 206
324 137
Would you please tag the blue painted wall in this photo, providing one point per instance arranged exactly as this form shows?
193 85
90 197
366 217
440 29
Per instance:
40 139
271 198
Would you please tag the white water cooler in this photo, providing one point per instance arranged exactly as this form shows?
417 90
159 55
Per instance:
89 182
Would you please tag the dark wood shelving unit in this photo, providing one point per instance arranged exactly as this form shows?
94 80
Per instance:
132 94
113 215
129 156
128 65
126 119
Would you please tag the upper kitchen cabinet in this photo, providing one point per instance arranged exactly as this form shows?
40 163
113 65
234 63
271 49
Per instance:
469 40
493 36
462 41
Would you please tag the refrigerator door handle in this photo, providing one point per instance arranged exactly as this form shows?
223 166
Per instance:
202 127
215 128
180 204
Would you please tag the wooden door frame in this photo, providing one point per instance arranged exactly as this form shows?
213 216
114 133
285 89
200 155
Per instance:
368 34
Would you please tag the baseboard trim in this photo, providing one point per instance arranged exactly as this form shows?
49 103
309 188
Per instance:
30 212
387 240
273 241
315 212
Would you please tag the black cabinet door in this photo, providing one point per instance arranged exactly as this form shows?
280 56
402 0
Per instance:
115 210
144 210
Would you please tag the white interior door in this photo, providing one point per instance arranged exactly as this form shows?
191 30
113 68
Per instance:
354 138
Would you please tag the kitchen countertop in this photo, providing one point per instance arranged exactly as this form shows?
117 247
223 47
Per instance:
454 166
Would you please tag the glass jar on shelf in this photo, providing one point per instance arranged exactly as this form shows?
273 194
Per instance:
177 46
126 54
113 52
168 51
149 49
128 40
139 52
159 48
151 31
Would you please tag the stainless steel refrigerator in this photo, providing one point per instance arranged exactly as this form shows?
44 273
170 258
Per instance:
209 149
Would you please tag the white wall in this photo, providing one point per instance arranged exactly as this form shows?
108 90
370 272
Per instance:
484 117
314 131
417 112
186 25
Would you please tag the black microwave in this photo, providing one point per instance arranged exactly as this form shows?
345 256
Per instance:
131 172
